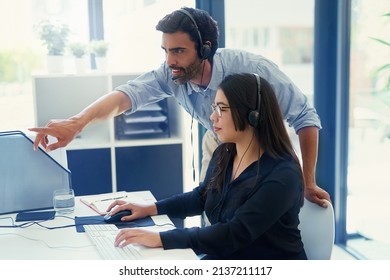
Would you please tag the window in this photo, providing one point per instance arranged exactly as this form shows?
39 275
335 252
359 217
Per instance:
297 43
22 53
368 210
286 39
129 29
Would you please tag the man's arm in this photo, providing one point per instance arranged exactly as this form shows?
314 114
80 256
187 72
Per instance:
107 106
308 140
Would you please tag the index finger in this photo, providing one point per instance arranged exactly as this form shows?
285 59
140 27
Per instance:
123 237
39 138
42 132
113 204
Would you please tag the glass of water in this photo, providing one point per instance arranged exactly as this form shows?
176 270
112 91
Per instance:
63 201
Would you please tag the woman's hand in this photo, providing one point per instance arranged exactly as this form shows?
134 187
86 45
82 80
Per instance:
137 210
138 236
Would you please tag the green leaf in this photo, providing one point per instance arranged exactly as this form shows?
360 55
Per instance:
383 67
381 41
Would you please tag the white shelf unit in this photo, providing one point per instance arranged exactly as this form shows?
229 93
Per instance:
62 96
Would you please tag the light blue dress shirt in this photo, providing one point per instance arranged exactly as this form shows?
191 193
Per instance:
156 85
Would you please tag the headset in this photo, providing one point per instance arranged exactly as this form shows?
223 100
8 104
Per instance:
254 115
204 49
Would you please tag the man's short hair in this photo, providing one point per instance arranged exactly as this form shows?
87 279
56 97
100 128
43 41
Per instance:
207 27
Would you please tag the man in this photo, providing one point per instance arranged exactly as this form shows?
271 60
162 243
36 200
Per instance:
192 71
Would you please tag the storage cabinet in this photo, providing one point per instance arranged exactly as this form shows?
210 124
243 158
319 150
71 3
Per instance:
143 151
157 167
149 122
91 170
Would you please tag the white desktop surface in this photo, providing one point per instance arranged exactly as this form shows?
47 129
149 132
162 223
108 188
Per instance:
38 243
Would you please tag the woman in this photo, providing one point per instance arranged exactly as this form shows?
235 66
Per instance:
253 189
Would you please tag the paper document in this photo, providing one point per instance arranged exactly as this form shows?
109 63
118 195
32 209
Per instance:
100 202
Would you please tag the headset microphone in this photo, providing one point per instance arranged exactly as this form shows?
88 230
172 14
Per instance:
193 70
175 78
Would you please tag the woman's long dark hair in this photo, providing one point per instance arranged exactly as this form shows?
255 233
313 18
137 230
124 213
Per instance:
271 134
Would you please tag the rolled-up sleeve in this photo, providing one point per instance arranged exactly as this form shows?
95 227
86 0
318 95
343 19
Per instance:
294 104
146 89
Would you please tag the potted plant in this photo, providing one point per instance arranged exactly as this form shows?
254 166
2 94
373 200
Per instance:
99 48
54 36
79 50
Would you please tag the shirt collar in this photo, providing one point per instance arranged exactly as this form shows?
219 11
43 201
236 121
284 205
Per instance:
217 72
195 88
216 76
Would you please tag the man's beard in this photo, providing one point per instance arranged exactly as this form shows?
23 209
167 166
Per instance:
189 73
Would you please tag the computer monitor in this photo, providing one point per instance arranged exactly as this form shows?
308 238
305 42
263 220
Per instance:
27 177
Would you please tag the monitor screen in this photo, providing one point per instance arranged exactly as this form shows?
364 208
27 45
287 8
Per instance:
27 177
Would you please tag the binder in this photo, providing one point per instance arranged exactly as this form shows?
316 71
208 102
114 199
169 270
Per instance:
27 177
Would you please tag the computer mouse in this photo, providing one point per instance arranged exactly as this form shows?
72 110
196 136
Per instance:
116 218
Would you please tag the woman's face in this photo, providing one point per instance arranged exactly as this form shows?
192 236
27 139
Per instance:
223 124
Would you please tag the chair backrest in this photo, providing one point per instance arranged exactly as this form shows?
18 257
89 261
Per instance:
317 228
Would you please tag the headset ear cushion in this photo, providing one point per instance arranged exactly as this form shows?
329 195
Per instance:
253 118
206 50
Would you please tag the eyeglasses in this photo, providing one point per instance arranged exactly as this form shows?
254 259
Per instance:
219 109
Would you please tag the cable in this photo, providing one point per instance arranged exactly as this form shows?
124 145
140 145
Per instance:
165 224
6 218
239 163
38 223
192 134
46 244
192 121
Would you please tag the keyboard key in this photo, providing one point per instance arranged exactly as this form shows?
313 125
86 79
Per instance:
103 237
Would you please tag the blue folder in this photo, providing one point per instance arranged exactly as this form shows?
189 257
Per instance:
27 177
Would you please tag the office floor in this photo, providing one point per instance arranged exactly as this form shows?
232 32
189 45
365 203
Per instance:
363 249
340 254
370 249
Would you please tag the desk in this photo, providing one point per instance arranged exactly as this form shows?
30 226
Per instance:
39 243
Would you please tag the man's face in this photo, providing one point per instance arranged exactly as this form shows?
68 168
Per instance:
181 56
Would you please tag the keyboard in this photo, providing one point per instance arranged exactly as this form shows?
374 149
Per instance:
103 237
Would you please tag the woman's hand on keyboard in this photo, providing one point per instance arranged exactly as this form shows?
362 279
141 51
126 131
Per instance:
138 210
138 236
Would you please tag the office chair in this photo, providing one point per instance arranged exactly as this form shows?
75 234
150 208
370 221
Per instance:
317 228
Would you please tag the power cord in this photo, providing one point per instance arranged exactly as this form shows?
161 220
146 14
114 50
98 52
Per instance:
46 244
38 223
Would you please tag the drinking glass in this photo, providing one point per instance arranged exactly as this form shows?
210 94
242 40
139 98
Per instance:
63 201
